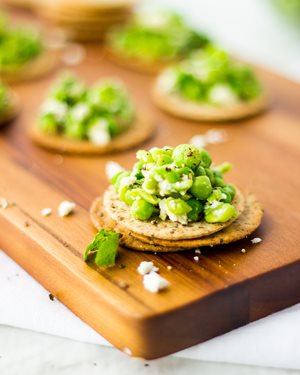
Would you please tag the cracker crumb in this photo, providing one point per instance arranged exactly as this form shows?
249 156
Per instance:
256 240
196 258
46 211
66 208
4 203
212 136
26 224
243 251
169 268
51 297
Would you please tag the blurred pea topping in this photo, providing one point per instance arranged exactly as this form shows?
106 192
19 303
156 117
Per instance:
18 45
156 36
211 76
95 113
179 184
4 100
290 9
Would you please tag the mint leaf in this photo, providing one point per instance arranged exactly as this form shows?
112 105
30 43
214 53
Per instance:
103 250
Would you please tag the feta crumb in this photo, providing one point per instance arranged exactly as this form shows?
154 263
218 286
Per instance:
221 94
146 267
80 111
256 240
4 203
196 258
198 251
66 208
58 109
46 211
212 136
112 168
153 282
169 268
214 204
243 251
127 351
99 134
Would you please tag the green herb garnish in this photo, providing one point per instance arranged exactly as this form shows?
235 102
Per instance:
104 249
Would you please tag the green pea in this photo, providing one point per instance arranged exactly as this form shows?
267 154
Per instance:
229 192
186 155
200 171
137 170
125 195
48 124
210 175
119 179
115 177
230 189
216 195
75 129
218 181
141 193
144 156
167 173
201 187
197 209
220 214
150 185
163 159
141 209
178 206
223 168
206 159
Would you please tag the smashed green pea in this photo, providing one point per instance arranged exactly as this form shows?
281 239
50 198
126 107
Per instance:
188 188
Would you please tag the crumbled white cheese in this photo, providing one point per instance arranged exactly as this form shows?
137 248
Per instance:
152 19
214 204
127 181
146 267
256 240
4 203
196 258
167 80
153 282
212 136
58 109
66 208
80 111
46 211
165 212
243 251
198 251
221 94
112 168
99 134
73 54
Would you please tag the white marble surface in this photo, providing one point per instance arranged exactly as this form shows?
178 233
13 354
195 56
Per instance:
250 29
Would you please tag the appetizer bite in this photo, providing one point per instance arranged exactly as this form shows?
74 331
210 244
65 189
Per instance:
209 85
153 39
22 52
8 105
175 199
102 118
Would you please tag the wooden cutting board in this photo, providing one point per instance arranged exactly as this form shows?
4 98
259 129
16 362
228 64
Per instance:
224 290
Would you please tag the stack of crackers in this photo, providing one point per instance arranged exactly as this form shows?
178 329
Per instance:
86 20
156 235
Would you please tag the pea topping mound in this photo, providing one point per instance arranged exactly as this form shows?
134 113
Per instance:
18 45
96 113
4 100
178 184
212 77
156 35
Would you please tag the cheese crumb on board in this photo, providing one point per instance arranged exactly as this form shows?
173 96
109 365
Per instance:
112 168
243 251
169 268
256 240
66 208
46 211
153 282
196 259
146 267
4 203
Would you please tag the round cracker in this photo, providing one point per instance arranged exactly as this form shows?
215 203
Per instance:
166 230
142 129
179 107
35 68
246 224
134 63
12 110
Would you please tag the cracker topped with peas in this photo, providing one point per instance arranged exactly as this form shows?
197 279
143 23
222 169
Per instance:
175 199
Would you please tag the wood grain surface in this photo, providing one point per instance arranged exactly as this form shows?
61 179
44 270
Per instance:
224 290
